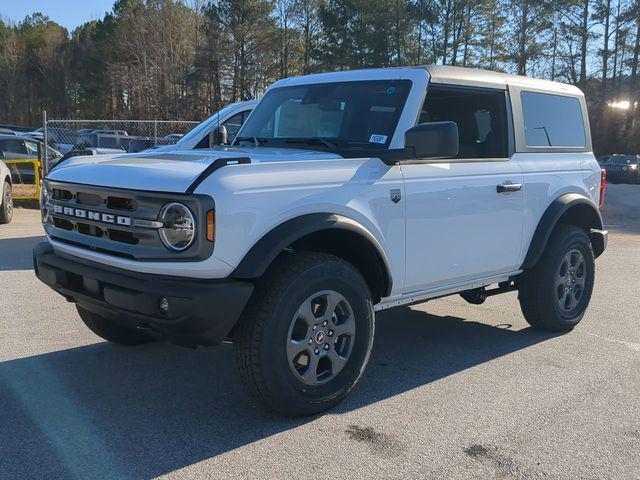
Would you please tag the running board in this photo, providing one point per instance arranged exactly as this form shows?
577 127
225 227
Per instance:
431 294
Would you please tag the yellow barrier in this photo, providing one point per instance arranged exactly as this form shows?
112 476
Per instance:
21 190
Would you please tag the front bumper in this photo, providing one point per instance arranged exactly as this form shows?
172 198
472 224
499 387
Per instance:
200 312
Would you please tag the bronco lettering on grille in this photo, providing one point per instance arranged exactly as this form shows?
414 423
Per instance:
91 215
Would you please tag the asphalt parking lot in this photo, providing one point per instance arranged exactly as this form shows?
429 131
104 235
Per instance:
452 390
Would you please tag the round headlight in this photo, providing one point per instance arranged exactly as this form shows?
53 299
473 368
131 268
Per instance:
178 226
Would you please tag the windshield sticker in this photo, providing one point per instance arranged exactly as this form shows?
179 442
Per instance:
378 138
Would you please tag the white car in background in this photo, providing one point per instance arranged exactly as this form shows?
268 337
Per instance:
6 196
230 117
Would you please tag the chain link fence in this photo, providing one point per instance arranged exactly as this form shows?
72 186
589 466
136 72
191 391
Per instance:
63 137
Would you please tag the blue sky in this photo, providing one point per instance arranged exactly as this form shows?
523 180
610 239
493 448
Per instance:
68 13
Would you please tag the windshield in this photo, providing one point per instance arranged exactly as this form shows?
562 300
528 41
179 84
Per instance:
353 115
203 128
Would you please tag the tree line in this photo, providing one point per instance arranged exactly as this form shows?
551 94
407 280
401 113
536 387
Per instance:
170 59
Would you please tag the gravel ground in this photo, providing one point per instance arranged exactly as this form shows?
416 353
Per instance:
452 390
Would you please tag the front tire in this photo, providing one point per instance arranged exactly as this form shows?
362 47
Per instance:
305 338
555 293
6 205
112 331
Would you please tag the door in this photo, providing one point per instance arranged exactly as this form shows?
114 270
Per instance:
464 218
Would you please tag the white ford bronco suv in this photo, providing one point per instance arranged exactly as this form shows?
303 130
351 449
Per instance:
343 194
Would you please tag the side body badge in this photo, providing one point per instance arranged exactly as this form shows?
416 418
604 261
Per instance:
395 195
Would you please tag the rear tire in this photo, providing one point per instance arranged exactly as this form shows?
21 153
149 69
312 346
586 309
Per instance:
112 331
306 336
555 293
6 207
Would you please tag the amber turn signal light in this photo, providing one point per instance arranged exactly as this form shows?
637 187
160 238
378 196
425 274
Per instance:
211 225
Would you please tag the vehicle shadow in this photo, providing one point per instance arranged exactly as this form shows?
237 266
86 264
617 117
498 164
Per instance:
15 253
103 411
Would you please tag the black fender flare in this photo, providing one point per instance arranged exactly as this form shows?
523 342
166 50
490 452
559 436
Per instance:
590 219
264 251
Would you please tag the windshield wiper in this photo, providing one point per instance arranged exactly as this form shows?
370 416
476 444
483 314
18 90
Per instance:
258 141
313 141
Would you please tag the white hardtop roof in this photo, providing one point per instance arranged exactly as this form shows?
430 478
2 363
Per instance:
442 74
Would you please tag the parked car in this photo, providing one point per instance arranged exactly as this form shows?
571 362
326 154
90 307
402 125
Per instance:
6 131
15 128
173 137
343 194
623 169
140 144
99 140
6 195
110 132
18 147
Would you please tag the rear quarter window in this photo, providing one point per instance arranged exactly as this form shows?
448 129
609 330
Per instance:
552 120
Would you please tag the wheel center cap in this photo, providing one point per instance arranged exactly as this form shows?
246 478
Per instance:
320 337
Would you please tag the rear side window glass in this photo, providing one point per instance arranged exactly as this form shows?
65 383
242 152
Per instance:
552 120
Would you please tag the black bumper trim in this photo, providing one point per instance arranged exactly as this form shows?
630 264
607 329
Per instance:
201 312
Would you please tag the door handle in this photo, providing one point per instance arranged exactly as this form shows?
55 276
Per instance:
508 187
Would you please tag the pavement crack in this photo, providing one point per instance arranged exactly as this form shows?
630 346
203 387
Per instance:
632 345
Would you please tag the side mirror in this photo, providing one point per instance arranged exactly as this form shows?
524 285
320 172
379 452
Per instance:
218 136
433 140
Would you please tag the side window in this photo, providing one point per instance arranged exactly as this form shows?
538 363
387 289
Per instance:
552 120
481 116
14 147
233 124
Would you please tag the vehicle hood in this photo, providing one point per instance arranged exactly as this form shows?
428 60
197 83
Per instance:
166 171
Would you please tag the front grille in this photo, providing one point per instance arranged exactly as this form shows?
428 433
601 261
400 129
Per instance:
87 229
89 199
60 194
103 219
63 223
120 203
122 236
94 200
